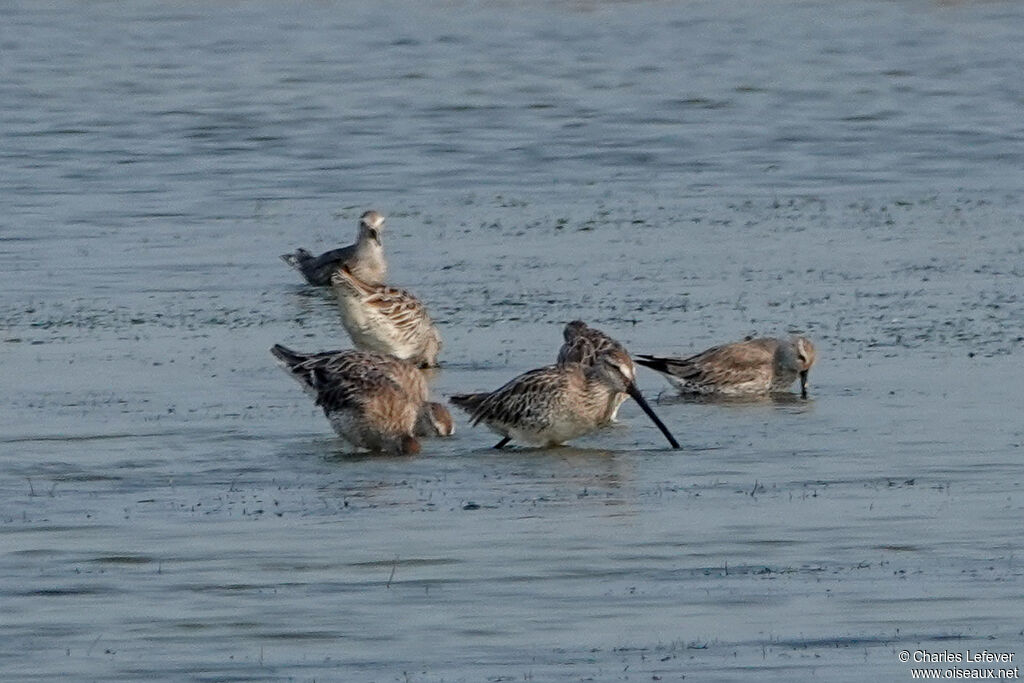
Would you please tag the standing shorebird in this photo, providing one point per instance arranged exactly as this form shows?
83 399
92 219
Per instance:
584 344
746 368
386 320
433 419
554 404
365 258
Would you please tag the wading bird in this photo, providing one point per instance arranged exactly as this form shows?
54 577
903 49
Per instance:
365 258
551 405
386 320
746 368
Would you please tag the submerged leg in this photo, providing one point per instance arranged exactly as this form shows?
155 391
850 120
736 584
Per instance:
501 444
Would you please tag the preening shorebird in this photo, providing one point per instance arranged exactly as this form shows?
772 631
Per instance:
386 319
583 344
433 419
368 410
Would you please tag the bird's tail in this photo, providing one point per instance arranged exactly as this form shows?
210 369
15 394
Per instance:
288 357
656 363
468 402
297 258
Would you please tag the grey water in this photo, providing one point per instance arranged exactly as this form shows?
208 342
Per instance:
677 173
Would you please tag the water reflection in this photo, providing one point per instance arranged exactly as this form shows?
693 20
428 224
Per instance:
794 402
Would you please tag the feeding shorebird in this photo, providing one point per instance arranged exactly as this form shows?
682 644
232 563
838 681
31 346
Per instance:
386 320
754 366
367 408
584 344
365 258
433 419
554 404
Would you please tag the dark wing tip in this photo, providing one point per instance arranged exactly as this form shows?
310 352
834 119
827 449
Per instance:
283 352
297 258
321 380
292 359
471 403
464 401
653 362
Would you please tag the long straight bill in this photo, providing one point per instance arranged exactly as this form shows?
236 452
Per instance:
638 397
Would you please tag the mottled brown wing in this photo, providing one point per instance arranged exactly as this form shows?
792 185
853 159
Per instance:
345 363
524 402
337 392
399 306
365 364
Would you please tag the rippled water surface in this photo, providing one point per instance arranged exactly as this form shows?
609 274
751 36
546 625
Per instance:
679 174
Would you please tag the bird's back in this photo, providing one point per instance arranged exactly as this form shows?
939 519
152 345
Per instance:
366 261
739 367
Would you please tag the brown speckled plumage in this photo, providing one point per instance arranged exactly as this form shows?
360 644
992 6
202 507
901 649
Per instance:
584 344
386 320
433 419
557 403
369 410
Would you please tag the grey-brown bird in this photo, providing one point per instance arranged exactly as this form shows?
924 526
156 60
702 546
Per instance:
386 319
554 404
368 410
584 344
746 368
433 419
365 258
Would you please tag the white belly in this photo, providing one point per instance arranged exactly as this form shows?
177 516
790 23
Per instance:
369 332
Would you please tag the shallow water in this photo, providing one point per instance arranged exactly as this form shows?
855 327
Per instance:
679 174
